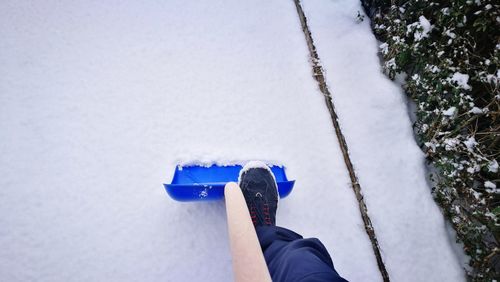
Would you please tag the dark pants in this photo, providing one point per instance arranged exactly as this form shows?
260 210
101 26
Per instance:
290 257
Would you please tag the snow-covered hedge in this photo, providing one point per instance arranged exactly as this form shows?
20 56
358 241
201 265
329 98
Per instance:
448 52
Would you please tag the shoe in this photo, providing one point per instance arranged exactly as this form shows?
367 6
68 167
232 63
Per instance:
258 184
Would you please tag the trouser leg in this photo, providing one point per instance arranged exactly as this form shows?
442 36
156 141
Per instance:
290 257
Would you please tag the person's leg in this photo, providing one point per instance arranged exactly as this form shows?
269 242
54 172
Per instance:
289 257
248 260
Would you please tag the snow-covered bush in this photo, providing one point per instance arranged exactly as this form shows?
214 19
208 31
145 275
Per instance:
449 52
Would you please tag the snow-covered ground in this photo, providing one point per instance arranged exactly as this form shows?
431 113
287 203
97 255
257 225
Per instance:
100 99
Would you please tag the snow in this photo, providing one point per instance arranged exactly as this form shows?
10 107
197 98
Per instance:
254 164
426 26
384 48
450 34
490 185
476 111
100 100
450 143
390 165
421 28
461 80
452 111
470 143
493 166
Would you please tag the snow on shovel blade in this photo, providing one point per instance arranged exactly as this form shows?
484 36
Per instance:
200 183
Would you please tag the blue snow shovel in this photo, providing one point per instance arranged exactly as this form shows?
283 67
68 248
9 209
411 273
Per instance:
200 183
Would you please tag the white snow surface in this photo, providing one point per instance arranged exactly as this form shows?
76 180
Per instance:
390 166
426 27
451 112
100 100
421 28
489 184
476 111
461 80
493 166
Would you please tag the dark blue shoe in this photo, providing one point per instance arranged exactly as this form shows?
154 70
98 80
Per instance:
259 187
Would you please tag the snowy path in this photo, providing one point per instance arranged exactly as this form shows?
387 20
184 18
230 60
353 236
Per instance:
99 101
390 166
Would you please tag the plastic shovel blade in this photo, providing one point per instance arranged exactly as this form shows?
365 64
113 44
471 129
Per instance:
200 183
